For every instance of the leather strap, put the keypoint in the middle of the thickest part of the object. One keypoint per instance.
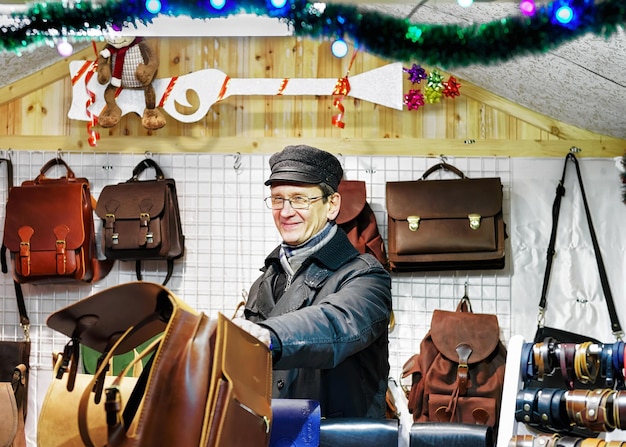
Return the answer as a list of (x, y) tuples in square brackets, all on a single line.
[(539, 361), (586, 363), (527, 364), (606, 365), (566, 354), (525, 405), (592, 442), (568, 441), (444, 166), (588, 408), (560, 192), (619, 410), (145, 164)]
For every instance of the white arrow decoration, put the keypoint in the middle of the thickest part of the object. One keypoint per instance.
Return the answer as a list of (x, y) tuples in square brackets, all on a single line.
[(381, 86)]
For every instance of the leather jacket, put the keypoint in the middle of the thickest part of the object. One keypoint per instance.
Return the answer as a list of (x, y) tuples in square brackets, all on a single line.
[(332, 327)]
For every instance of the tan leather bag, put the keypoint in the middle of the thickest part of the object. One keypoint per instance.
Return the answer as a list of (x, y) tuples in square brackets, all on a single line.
[(13, 409), (141, 219), (49, 230), (458, 375), (448, 224), (207, 379), (58, 419)]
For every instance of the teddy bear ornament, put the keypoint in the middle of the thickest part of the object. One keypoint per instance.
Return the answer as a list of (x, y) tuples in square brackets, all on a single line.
[(131, 63)]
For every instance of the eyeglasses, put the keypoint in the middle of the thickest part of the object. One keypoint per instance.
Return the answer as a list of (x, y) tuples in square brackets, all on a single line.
[(296, 202)]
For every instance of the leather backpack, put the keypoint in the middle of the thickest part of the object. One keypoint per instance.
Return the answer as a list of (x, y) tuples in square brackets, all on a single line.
[(49, 230), (358, 220), (458, 375), (141, 219)]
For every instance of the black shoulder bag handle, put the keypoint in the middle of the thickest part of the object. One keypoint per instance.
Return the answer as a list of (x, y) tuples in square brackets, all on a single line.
[(21, 305), (560, 192)]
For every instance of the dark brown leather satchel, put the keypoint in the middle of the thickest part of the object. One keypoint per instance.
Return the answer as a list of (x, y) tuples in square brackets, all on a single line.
[(358, 220), (458, 375), (206, 380), (448, 224), (49, 230), (141, 219)]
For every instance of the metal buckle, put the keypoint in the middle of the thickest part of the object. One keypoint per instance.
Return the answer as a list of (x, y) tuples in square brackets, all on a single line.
[(474, 221), (414, 222)]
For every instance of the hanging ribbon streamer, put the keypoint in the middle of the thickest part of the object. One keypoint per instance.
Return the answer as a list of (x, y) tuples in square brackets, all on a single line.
[(342, 88), (90, 70)]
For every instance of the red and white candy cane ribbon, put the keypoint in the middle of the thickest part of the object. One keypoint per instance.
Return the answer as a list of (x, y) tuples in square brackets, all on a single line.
[(342, 88)]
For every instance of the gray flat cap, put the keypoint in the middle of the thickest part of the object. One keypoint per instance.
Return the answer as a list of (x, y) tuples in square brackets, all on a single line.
[(305, 164)]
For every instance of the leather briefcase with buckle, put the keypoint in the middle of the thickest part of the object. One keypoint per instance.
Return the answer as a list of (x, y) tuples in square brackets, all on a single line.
[(447, 224)]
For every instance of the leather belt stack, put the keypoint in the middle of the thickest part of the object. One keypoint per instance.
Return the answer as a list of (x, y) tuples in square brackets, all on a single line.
[(560, 441), (601, 364), (599, 410)]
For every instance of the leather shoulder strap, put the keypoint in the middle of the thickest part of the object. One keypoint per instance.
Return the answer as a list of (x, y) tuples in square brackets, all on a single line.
[(21, 305), (556, 206)]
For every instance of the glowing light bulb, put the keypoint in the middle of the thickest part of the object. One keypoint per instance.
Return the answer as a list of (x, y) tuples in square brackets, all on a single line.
[(153, 6), (339, 48), (65, 48), (278, 3), (528, 7), (218, 4), (564, 14), (465, 3)]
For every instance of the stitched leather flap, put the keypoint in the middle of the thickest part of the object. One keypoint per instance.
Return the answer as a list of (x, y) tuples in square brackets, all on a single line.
[(98, 319), (44, 207), (353, 196), (480, 331), (441, 199), (127, 200)]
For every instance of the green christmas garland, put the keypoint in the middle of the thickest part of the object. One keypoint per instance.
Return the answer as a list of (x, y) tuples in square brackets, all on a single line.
[(393, 38)]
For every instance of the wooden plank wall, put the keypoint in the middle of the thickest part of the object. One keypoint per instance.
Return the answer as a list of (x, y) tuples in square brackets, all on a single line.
[(33, 111)]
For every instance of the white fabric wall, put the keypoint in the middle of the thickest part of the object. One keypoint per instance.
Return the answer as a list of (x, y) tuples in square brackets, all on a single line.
[(229, 231)]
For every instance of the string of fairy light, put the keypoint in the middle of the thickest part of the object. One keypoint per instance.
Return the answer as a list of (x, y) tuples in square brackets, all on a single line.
[(535, 29)]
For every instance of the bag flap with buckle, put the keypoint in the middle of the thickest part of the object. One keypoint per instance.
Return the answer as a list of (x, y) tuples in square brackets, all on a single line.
[(444, 199), (480, 332), (44, 208), (97, 320), (127, 200)]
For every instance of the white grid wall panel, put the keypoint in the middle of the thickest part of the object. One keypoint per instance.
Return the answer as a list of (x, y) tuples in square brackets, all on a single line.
[(229, 232)]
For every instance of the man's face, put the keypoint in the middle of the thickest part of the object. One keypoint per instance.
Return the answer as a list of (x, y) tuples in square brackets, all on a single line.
[(297, 226)]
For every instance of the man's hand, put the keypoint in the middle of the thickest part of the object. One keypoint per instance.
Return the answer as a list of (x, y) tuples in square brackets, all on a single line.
[(263, 334)]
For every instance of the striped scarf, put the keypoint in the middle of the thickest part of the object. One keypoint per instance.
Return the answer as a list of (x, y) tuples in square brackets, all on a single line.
[(291, 258)]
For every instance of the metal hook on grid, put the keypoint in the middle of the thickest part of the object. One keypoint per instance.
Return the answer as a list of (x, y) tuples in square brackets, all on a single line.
[(342, 160), (575, 149), (237, 162), (443, 158), (147, 154), (59, 154)]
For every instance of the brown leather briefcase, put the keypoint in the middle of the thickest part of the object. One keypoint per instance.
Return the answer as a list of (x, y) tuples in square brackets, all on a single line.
[(448, 224)]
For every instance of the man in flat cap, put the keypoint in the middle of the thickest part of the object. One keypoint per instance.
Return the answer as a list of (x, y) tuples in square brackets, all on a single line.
[(322, 307)]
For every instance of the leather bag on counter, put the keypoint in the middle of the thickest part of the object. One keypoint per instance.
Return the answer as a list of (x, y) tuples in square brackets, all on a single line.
[(458, 375), (49, 230), (447, 224), (141, 219), (13, 408), (358, 220), (207, 378)]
